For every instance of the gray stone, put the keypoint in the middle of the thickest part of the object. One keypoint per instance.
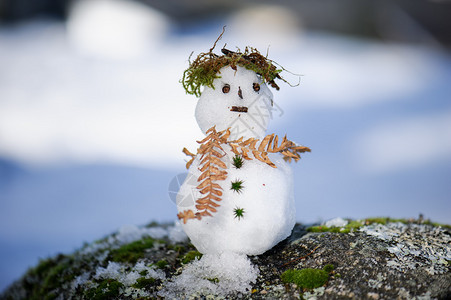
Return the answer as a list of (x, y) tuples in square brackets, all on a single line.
[(390, 261)]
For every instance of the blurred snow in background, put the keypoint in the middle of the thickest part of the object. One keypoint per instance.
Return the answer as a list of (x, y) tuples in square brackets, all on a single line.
[(93, 119)]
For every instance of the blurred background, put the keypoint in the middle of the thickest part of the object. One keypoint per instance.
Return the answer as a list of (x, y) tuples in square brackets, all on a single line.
[(93, 117)]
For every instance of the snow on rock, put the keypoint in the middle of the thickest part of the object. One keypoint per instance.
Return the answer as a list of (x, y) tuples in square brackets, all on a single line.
[(80, 280), (131, 233), (218, 274), (118, 271), (176, 233), (369, 268), (336, 222), (151, 272)]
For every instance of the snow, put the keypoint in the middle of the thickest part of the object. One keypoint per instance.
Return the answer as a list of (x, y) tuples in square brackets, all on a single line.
[(130, 233), (267, 196), (119, 272), (219, 274), (213, 107), (268, 202), (176, 233), (80, 280), (336, 222)]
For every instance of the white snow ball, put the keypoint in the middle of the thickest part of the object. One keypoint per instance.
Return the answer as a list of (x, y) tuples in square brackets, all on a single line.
[(240, 100), (267, 201)]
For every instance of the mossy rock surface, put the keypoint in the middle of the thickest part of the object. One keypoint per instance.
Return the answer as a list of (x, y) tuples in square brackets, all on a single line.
[(374, 259)]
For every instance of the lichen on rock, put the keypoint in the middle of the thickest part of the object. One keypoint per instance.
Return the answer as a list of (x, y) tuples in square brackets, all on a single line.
[(393, 260)]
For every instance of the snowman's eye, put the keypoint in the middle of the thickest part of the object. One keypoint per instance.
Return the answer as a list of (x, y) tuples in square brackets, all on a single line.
[(226, 88), (256, 87)]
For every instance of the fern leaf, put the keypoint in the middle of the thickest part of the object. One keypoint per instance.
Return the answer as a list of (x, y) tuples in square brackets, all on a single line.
[(266, 142), (253, 144), (204, 184), (186, 215), (188, 153), (213, 168), (218, 162), (204, 175)]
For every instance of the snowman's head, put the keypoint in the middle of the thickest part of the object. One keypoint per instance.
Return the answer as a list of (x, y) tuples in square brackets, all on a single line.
[(239, 99)]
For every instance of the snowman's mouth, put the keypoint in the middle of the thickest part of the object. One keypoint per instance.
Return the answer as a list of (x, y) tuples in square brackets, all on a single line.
[(239, 109)]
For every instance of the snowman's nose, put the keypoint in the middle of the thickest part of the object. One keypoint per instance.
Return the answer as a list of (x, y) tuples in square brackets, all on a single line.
[(240, 93)]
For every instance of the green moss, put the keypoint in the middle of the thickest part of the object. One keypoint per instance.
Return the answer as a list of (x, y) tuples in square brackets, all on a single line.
[(336, 229), (102, 240), (318, 229), (378, 220), (55, 277), (435, 224), (306, 278), (143, 282), (51, 296), (162, 264), (191, 255), (132, 252), (213, 280), (354, 225), (179, 248), (107, 289), (328, 268), (204, 69), (47, 277), (152, 224), (43, 267)]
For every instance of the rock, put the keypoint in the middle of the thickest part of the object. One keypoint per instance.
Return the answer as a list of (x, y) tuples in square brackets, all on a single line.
[(379, 259)]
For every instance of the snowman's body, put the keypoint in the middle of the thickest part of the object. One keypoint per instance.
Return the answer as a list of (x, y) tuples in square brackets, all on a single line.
[(267, 198)]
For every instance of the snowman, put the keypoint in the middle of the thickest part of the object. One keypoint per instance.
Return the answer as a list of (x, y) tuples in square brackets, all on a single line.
[(238, 195)]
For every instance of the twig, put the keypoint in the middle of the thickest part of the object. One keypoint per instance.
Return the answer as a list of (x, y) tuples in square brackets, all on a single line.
[(219, 37)]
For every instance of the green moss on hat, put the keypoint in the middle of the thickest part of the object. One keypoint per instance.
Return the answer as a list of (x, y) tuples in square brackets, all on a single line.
[(204, 69)]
